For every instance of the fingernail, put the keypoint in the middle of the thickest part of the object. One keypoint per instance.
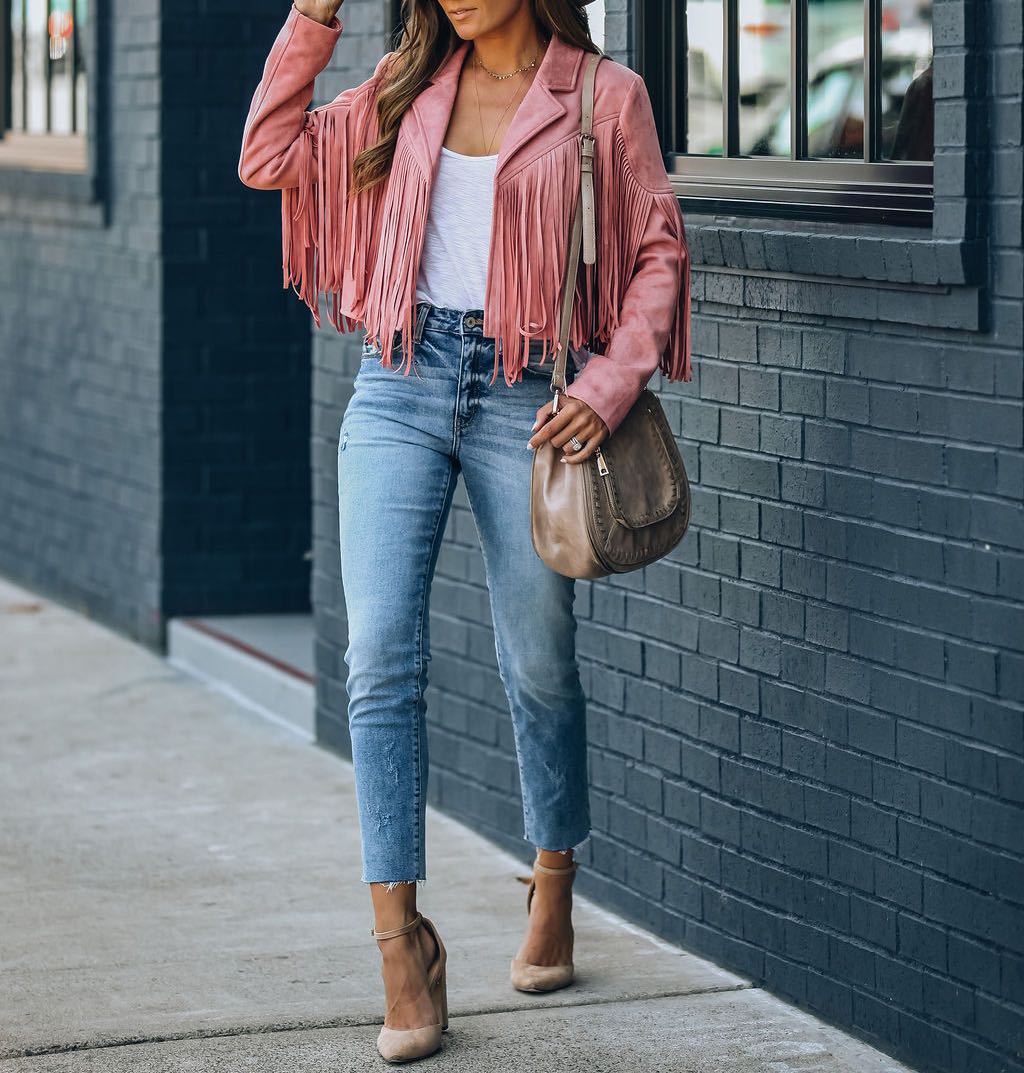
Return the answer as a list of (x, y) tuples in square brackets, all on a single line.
[(562, 460)]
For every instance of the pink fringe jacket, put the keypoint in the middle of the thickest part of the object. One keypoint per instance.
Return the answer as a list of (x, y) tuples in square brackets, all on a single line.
[(631, 310)]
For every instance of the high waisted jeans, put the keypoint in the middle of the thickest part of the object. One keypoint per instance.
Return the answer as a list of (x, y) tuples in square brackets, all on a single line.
[(403, 442)]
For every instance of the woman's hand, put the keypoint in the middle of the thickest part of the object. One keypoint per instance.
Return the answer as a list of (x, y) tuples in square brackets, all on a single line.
[(319, 10), (574, 418)]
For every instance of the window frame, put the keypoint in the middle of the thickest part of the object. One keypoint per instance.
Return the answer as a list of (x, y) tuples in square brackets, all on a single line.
[(876, 270), (6, 64), (59, 177), (856, 191)]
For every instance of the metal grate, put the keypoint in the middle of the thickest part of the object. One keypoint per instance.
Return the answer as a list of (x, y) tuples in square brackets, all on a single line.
[(44, 84), (791, 143)]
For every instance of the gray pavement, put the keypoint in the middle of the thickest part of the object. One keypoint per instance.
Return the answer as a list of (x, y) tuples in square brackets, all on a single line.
[(179, 890)]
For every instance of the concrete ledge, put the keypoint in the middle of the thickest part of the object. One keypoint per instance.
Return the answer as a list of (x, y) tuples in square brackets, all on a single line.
[(271, 688)]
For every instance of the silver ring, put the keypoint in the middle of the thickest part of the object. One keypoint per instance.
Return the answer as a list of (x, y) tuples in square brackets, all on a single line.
[(576, 445)]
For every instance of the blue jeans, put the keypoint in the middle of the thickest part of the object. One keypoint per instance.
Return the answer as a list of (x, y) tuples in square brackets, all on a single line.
[(403, 442)]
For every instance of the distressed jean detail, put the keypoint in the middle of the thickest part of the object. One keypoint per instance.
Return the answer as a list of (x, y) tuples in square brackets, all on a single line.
[(403, 444)]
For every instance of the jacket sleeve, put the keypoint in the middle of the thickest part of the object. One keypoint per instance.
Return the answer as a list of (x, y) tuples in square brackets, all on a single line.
[(653, 329), (307, 155), (274, 151), (271, 140)]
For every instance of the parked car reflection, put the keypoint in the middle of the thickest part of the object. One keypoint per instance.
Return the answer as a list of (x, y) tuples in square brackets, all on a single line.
[(835, 79), (835, 102)]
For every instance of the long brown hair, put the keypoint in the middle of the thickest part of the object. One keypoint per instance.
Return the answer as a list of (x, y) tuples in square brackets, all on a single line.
[(426, 42)]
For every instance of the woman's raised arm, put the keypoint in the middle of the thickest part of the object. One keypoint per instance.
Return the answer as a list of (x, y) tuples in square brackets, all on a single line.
[(307, 155), (273, 145)]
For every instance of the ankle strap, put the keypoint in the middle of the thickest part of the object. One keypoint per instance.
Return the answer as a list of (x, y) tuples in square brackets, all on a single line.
[(404, 929), (556, 871)]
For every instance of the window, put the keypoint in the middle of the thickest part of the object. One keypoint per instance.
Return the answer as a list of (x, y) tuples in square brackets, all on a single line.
[(44, 88), (803, 108), (595, 13)]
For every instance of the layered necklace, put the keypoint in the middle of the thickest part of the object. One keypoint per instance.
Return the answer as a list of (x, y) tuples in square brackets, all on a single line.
[(498, 77)]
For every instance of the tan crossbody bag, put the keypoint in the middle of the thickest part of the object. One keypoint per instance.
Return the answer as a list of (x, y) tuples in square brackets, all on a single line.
[(629, 503)]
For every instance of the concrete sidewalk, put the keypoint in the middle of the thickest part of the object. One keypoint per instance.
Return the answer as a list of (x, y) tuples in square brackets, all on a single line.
[(179, 890)]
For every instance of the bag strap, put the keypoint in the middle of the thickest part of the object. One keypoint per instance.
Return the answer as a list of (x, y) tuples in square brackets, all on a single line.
[(584, 226)]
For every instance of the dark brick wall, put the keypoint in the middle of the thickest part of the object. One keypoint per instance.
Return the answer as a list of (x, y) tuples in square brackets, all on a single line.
[(80, 331), (366, 26), (154, 377), (806, 725), (236, 369)]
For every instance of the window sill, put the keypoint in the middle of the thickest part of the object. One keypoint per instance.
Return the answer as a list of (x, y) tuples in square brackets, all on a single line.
[(864, 271), (48, 178), (64, 153)]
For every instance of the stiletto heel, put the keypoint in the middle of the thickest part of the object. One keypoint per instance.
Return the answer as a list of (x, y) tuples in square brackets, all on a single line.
[(405, 1044), (527, 977)]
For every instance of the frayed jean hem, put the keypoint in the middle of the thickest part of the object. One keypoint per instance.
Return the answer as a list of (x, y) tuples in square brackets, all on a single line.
[(392, 883), (574, 848)]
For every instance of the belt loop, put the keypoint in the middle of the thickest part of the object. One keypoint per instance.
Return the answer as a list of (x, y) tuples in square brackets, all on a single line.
[(422, 309)]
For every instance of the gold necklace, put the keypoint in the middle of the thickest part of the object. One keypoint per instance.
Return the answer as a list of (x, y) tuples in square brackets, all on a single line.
[(494, 74), (479, 107)]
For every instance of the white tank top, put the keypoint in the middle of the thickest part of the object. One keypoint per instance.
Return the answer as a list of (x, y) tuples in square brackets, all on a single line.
[(457, 238)]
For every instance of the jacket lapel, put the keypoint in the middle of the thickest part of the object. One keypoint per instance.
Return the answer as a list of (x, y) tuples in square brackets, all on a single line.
[(426, 121), (543, 103)]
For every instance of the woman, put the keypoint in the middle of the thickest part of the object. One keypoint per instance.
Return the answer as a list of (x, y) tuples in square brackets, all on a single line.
[(431, 205)]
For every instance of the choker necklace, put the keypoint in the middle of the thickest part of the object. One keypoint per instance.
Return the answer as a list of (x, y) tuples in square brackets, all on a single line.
[(511, 74)]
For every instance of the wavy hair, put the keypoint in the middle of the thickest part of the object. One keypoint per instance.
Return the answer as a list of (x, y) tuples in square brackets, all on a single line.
[(427, 39)]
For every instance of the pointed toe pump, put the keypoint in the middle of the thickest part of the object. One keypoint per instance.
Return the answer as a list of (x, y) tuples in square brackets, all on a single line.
[(405, 1044), (527, 977)]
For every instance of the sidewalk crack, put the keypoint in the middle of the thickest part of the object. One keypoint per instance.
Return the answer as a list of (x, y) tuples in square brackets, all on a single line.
[(241, 1031)]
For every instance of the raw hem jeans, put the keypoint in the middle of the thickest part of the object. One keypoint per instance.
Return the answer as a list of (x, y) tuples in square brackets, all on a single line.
[(403, 442)]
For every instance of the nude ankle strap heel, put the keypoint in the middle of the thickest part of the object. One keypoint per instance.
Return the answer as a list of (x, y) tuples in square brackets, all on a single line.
[(405, 1044), (527, 977)]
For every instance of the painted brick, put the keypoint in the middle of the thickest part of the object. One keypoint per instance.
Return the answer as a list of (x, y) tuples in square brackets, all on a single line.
[(806, 730)]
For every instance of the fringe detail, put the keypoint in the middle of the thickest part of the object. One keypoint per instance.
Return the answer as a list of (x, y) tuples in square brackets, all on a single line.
[(298, 226), (390, 299), (675, 360), (533, 213), (624, 212), (363, 252), (532, 216), (324, 230), (331, 242)]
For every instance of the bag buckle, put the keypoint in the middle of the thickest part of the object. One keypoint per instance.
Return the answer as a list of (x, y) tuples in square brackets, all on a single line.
[(587, 145)]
